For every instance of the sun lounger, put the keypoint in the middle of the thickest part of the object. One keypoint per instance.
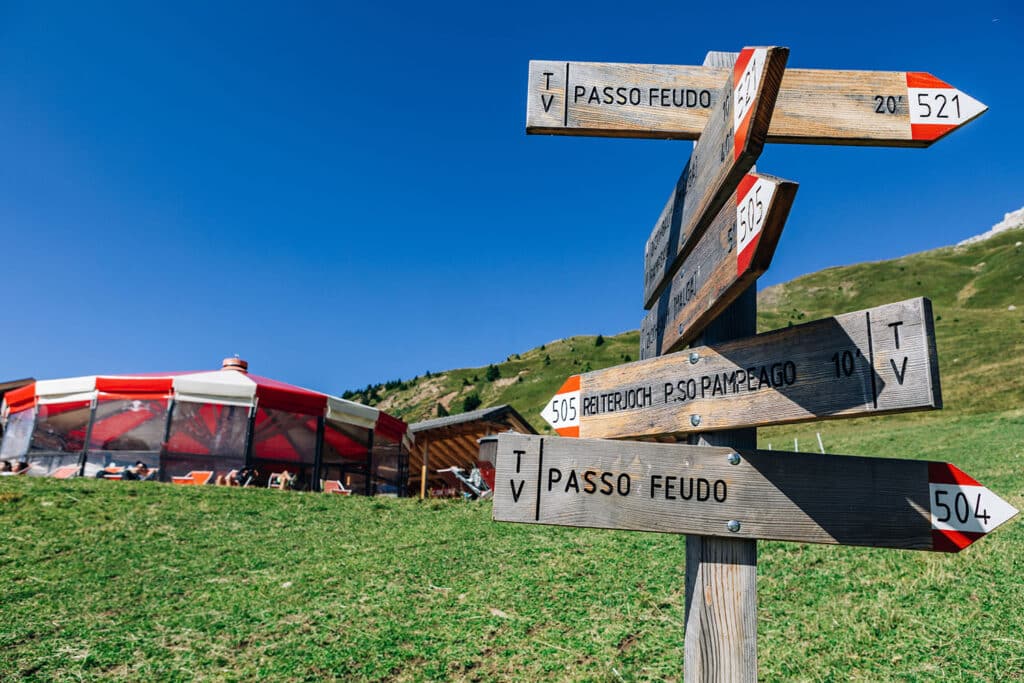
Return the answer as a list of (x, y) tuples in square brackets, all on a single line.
[(194, 478), (335, 486), (65, 472)]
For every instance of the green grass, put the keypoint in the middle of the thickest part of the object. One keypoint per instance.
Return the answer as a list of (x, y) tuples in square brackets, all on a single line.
[(144, 581)]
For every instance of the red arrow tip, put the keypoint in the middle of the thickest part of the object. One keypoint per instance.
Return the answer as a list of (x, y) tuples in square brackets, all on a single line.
[(920, 79), (949, 541)]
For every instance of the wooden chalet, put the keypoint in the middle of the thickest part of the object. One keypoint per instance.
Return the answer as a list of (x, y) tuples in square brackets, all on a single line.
[(452, 441)]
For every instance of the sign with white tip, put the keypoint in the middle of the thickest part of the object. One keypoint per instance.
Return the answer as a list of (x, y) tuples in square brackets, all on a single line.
[(729, 257), (740, 493), (726, 150), (871, 362), (816, 106)]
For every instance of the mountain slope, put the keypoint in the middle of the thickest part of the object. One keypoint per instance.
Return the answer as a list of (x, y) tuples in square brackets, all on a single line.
[(977, 292)]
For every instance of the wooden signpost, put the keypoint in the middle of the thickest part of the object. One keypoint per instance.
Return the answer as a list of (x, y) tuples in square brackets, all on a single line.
[(740, 493), (734, 250), (723, 155), (714, 237), (817, 106), (880, 360)]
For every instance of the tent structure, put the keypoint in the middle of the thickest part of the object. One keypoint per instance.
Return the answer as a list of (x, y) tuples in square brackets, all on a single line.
[(215, 421)]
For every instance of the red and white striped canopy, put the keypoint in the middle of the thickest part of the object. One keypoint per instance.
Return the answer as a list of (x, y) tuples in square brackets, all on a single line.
[(224, 387)]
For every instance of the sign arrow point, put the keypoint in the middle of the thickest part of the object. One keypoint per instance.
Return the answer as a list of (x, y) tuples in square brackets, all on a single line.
[(563, 410)]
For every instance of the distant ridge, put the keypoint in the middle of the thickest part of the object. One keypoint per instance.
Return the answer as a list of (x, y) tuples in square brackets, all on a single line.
[(977, 293), (1014, 219)]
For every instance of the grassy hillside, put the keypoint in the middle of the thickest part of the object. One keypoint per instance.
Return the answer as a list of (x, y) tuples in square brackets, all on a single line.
[(972, 288)]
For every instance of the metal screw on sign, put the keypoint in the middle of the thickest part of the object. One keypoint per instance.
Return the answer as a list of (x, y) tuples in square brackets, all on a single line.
[(732, 525), (695, 420), (734, 458), (694, 357)]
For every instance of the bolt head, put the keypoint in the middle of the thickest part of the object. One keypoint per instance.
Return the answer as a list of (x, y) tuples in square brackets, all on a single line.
[(732, 525), (734, 458), (695, 420), (694, 357)]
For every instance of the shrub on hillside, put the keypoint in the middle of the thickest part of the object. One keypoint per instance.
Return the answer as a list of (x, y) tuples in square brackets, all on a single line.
[(471, 402), (493, 373)]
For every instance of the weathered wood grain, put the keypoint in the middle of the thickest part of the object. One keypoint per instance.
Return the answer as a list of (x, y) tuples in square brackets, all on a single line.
[(721, 573), (871, 362), (678, 488), (816, 106), (714, 274), (728, 147)]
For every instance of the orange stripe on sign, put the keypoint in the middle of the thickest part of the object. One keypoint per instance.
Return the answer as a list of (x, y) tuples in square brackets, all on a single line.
[(569, 431), (929, 131), (746, 182), (948, 541), (741, 64), (746, 257), (944, 473), (920, 79), (740, 141), (571, 384)]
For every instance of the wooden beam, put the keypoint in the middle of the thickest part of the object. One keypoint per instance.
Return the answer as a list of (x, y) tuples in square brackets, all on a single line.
[(801, 497), (727, 149), (816, 106), (733, 252), (871, 362)]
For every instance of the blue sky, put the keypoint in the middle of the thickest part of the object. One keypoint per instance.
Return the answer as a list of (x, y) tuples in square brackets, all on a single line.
[(346, 194)]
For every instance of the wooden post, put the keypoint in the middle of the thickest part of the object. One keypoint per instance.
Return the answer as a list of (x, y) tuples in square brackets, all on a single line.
[(721, 573), (423, 470)]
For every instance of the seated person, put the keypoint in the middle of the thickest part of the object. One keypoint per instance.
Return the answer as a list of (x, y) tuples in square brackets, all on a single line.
[(227, 479), (248, 476), (21, 467), (140, 472)]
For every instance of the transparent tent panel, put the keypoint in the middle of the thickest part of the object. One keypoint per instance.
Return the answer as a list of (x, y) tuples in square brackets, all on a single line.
[(388, 461), (60, 427), (211, 429), (49, 464), (129, 425), (17, 435), (284, 437)]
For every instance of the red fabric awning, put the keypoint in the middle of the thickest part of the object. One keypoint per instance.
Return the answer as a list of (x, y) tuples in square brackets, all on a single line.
[(21, 398), (281, 396), (389, 427)]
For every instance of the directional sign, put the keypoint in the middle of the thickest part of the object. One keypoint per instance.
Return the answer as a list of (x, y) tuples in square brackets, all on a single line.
[(877, 108), (726, 150), (754, 494), (733, 252), (880, 360)]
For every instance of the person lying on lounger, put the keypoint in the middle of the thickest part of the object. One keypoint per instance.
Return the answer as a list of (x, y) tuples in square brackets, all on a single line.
[(140, 472)]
